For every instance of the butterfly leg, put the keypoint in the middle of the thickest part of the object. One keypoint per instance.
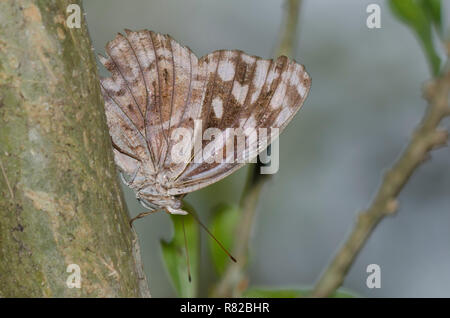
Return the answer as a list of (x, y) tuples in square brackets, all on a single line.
[(141, 215)]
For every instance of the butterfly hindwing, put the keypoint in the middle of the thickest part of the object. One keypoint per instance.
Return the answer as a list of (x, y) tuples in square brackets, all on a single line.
[(262, 94)]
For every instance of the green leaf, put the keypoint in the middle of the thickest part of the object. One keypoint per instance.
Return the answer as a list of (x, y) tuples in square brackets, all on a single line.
[(433, 9), (289, 293), (223, 226), (174, 254), (416, 17)]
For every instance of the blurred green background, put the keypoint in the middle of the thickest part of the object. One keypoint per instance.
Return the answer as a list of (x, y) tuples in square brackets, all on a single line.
[(364, 103)]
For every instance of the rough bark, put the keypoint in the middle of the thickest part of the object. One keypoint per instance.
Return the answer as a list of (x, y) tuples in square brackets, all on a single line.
[(60, 201)]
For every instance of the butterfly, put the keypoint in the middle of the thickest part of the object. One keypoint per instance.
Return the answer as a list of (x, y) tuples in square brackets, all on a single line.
[(159, 88)]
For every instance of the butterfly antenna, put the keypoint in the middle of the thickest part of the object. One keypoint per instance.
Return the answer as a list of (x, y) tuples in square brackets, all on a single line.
[(210, 234), (187, 251)]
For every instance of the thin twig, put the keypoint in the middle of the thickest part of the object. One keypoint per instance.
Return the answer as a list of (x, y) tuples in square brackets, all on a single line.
[(426, 138), (288, 35), (234, 280)]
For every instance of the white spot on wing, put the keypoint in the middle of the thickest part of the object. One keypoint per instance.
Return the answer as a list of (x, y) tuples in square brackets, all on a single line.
[(301, 90), (226, 70), (248, 59), (239, 92), (282, 116), (164, 53), (278, 96), (250, 123), (295, 81), (271, 76), (111, 85), (259, 77), (217, 107)]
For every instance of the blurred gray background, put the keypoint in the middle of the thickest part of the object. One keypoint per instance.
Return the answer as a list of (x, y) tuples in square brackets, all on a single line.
[(364, 103)]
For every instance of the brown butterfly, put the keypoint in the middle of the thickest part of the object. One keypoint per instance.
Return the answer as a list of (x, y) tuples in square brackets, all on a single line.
[(158, 87)]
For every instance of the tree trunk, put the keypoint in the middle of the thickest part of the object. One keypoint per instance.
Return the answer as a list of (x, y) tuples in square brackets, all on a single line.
[(60, 200)]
